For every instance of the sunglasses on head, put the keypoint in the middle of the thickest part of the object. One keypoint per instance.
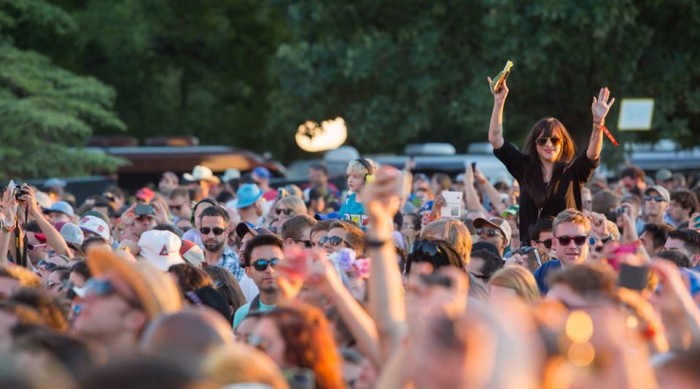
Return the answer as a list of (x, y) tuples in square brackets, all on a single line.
[(50, 266), (262, 264), (578, 240), (286, 212), (547, 243), (425, 247), (488, 232), (307, 243), (216, 230), (333, 240), (541, 141), (658, 199)]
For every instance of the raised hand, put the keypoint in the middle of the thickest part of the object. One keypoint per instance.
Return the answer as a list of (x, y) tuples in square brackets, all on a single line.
[(601, 105), (502, 92)]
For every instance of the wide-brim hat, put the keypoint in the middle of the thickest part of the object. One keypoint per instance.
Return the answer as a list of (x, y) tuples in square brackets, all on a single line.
[(154, 289), (201, 173)]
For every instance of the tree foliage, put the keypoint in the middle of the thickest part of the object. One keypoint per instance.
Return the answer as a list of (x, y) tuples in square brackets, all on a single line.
[(415, 71), (47, 112)]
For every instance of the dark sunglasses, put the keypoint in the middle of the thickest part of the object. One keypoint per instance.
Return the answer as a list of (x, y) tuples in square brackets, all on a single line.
[(307, 243), (262, 264), (425, 247), (543, 140), (658, 199), (216, 230), (578, 240), (488, 232), (333, 240), (547, 243), (50, 266), (286, 212), (31, 247)]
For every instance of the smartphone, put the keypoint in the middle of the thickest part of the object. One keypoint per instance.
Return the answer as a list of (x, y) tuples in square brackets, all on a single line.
[(473, 166), (144, 209), (633, 277), (436, 279), (453, 208)]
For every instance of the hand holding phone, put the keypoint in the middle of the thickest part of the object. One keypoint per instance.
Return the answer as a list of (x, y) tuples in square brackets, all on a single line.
[(633, 277)]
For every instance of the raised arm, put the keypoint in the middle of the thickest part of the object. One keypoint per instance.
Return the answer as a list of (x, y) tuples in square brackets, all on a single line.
[(600, 108), (53, 237), (496, 126), (470, 196)]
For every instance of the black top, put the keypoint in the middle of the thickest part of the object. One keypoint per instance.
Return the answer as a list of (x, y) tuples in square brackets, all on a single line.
[(565, 191)]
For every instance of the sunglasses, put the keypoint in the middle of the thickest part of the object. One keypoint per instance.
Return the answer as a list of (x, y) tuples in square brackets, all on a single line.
[(488, 232), (333, 241), (547, 243), (425, 247), (262, 264), (175, 207), (105, 288), (578, 240), (286, 212), (543, 140), (32, 247), (216, 230), (50, 266), (658, 199), (307, 243)]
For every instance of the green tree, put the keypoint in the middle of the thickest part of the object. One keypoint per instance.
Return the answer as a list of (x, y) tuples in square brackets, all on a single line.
[(179, 67), (416, 72), (47, 112)]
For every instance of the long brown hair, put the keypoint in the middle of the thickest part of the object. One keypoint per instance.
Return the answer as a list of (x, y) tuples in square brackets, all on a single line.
[(548, 126), (309, 343)]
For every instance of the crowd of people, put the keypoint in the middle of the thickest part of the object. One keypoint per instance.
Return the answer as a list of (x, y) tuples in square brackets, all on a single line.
[(558, 279)]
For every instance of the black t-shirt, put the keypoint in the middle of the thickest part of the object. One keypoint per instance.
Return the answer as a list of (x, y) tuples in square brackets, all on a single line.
[(567, 193)]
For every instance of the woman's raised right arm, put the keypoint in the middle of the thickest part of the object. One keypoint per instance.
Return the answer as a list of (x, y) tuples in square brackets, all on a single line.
[(496, 126)]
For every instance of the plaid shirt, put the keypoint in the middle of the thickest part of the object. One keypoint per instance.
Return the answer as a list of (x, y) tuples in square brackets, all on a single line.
[(230, 260)]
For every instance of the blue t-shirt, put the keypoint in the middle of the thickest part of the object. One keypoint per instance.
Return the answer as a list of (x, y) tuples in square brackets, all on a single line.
[(242, 312), (543, 271), (354, 211)]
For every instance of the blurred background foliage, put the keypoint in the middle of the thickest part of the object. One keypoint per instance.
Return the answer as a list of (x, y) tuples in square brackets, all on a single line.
[(246, 73)]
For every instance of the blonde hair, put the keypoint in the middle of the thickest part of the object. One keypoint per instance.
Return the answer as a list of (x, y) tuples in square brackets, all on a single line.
[(357, 167), (294, 203), (571, 216), (519, 279), (454, 232), (237, 363)]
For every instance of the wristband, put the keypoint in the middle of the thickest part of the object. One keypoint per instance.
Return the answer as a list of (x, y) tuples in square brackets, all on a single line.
[(376, 243)]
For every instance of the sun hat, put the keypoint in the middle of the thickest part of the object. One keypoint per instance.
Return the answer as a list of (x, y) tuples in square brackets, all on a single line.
[(95, 225), (247, 195), (201, 173), (160, 248), (155, 290)]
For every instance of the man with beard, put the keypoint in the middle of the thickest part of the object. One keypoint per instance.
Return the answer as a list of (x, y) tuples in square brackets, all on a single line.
[(570, 243), (262, 255), (214, 228)]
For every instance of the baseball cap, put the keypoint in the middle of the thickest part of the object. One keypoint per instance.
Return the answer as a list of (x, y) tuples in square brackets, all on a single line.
[(192, 253), (663, 175), (663, 192), (247, 195), (495, 222), (62, 207), (160, 248), (427, 207), (71, 233), (245, 228), (230, 174), (262, 172), (55, 183), (146, 194), (95, 225)]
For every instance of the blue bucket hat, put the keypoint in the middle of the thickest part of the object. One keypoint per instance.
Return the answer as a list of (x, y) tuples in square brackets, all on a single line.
[(427, 207), (248, 194)]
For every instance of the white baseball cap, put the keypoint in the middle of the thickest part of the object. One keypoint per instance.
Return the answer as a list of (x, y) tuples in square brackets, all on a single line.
[(160, 248), (95, 225)]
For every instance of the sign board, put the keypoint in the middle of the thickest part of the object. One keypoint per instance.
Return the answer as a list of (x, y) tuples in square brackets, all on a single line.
[(636, 115)]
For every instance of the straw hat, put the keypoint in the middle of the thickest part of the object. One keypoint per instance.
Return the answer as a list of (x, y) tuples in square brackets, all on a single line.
[(155, 290), (201, 173)]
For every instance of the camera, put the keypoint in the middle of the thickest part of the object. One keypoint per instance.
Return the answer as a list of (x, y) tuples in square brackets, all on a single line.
[(621, 211), (20, 191)]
